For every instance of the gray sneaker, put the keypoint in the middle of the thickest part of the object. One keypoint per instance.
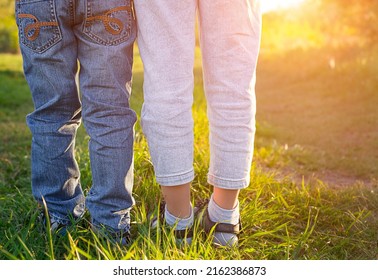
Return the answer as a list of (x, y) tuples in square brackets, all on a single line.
[(55, 225), (121, 237)]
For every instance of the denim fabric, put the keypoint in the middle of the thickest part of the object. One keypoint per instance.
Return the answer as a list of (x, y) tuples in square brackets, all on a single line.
[(230, 40), (58, 39)]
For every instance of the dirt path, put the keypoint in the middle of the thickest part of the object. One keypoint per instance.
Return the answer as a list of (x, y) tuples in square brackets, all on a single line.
[(329, 178)]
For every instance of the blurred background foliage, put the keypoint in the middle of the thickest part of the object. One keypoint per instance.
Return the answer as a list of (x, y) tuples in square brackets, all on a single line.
[(8, 28), (315, 23), (321, 23)]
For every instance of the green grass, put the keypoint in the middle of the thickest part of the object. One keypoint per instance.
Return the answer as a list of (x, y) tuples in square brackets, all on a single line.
[(282, 218)]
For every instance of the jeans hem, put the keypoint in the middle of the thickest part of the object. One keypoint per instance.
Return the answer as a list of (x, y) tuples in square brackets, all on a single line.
[(230, 184), (97, 226), (175, 180), (58, 219)]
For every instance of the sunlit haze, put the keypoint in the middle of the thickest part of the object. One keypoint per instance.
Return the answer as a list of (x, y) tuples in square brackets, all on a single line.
[(268, 5)]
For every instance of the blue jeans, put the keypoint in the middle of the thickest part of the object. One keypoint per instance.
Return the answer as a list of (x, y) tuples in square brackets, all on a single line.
[(94, 38)]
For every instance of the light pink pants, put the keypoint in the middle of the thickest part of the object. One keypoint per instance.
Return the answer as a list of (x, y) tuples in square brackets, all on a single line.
[(230, 40)]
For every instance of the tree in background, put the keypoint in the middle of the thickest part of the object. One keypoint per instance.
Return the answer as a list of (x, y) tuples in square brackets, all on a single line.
[(322, 23), (355, 19), (8, 28)]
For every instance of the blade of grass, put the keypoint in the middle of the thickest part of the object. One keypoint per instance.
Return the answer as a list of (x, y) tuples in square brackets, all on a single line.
[(48, 230)]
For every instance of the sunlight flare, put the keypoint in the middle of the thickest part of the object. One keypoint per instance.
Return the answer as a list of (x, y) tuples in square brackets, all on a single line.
[(269, 5)]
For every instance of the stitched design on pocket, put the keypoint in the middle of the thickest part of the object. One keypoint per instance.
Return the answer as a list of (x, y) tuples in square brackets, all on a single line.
[(36, 26), (109, 23), (113, 25), (39, 29)]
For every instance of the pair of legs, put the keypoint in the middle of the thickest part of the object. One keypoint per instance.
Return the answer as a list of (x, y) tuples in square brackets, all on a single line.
[(178, 200), (229, 40), (54, 36)]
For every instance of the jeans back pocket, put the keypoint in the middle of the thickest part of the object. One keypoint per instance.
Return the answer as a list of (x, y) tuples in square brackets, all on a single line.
[(109, 22), (37, 24)]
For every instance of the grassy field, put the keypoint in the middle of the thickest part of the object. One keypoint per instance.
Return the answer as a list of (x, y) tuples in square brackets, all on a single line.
[(322, 122), (324, 102)]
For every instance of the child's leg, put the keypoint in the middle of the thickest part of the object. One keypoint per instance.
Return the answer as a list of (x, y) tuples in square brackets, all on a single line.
[(223, 208), (105, 53), (50, 64), (177, 199), (227, 199), (166, 38), (230, 39), (178, 209)]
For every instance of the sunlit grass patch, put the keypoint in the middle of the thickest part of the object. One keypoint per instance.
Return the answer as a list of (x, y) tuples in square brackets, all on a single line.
[(282, 218)]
